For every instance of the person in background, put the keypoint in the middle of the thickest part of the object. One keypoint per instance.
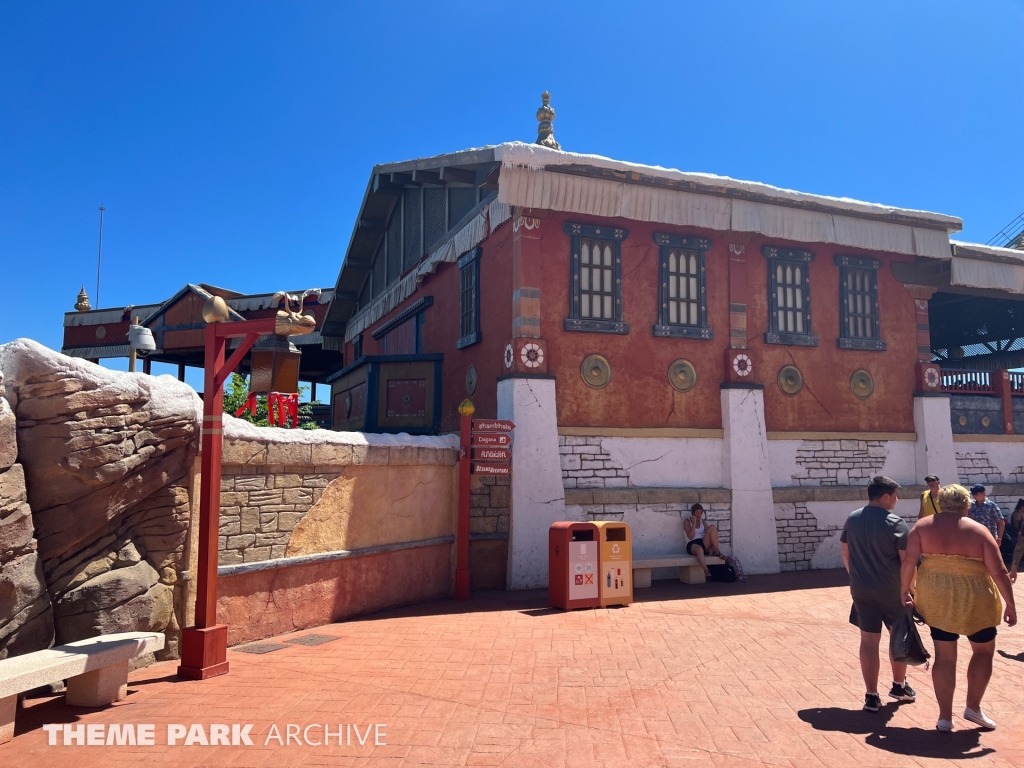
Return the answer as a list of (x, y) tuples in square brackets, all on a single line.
[(958, 586), (1017, 520), (1011, 535), (703, 538), (874, 539), (929, 505), (986, 512)]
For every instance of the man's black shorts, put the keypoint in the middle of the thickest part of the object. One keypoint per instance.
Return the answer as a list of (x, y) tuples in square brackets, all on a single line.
[(870, 613)]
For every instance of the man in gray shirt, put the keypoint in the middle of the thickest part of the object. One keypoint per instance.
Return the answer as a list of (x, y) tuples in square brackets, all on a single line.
[(874, 540)]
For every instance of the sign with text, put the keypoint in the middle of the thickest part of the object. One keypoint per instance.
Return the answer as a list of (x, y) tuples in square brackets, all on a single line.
[(492, 469), (492, 454), (492, 425), (493, 440)]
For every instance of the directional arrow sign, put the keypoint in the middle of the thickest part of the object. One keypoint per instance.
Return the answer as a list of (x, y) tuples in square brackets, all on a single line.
[(485, 425), (496, 440), (492, 469), (492, 454)]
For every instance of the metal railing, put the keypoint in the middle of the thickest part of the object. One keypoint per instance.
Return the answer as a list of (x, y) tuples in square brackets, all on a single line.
[(969, 382)]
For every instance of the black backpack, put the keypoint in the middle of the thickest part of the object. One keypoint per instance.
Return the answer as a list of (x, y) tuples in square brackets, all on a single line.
[(723, 573)]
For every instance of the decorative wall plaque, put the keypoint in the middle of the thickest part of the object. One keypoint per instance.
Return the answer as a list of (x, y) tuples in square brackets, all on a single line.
[(862, 384), (682, 375), (791, 381), (596, 371), (471, 380)]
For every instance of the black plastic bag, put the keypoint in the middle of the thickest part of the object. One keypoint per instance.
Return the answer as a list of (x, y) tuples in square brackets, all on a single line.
[(905, 642), (724, 573)]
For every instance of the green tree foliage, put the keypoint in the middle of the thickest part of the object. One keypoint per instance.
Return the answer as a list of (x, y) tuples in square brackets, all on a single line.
[(236, 392)]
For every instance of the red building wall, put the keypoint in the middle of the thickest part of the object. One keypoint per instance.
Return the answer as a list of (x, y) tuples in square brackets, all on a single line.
[(639, 394), (440, 330)]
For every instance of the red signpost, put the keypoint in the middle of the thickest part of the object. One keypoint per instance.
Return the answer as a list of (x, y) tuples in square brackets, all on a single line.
[(480, 440), (204, 647)]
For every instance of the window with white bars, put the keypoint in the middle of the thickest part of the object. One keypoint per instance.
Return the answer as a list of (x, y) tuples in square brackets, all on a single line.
[(682, 300), (597, 279), (790, 309), (858, 303), (789, 295), (684, 295), (595, 296)]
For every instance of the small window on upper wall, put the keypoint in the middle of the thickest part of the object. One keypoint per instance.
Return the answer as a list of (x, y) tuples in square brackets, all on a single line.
[(595, 301), (682, 303), (858, 303), (789, 297), (469, 299)]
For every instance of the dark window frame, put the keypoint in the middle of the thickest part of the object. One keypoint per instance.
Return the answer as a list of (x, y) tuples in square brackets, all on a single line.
[(413, 313), (847, 264), (775, 255), (664, 327), (469, 269), (575, 322)]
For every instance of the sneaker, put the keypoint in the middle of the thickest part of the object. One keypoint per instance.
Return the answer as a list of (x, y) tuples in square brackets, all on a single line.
[(872, 702), (903, 692), (945, 726), (979, 718)]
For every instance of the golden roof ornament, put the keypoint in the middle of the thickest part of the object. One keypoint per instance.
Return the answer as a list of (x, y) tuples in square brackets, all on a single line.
[(545, 131), (83, 305)]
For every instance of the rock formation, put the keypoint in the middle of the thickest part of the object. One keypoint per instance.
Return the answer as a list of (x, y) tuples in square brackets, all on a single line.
[(107, 459), (26, 619)]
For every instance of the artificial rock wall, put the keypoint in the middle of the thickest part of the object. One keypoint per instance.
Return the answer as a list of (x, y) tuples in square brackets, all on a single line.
[(107, 460)]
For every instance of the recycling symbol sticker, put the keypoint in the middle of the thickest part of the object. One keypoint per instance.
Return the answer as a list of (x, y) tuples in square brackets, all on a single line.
[(615, 549)]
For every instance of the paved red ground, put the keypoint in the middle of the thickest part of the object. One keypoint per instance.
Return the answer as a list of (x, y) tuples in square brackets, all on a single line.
[(747, 675)]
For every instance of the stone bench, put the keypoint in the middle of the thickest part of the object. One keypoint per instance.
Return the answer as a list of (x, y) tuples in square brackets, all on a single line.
[(96, 670), (690, 571)]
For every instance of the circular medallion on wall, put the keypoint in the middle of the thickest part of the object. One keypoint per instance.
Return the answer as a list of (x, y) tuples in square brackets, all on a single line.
[(510, 355), (682, 375), (348, 404), (862, 384), (596, 371), (931, 378), (101, 332), (962, 420), (986, 422), (471, 380), (742, 365), (532, 355), (791, 381)]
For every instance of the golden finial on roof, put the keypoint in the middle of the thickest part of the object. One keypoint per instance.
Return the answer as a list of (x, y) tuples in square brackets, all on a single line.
[(545, 131), (83, 305)]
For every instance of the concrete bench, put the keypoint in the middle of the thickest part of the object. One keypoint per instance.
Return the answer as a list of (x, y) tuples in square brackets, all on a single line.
[(96, 670), (690, 571)]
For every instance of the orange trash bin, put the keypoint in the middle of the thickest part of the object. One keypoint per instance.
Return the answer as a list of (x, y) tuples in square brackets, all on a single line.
[(616, 582), (573, 562)]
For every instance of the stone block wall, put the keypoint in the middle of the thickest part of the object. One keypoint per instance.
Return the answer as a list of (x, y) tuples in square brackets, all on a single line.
[(490, 505), (286, 494), (586, 464), (839, 462), (799, 535)]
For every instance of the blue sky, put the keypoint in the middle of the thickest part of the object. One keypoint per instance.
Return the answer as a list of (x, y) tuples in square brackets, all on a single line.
[(231, 143)]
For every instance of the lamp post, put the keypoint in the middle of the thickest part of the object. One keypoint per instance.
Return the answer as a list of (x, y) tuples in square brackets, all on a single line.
[(204, 646)]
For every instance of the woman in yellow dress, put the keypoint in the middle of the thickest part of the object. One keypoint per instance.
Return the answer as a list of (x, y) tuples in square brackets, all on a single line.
[(959, 582)]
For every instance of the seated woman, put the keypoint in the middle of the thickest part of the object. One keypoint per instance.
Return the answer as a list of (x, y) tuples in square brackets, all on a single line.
[(959, 583), (703, 537)]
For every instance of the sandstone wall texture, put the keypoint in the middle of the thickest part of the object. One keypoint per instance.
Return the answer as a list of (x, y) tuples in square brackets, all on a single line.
[(291, 493), (107, 459), (26, 616)]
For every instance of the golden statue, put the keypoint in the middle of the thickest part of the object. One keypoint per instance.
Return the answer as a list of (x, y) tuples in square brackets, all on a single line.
[(289, 323), (545, 131)]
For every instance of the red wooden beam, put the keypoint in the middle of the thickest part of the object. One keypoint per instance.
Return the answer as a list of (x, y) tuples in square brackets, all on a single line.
[(462, 530)]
